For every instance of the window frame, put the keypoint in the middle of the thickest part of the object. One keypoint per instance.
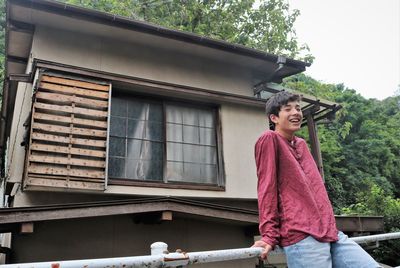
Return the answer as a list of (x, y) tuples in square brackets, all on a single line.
[(164, 100)]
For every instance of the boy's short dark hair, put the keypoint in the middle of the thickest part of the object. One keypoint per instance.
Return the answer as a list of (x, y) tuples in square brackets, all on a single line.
[(275, 103)]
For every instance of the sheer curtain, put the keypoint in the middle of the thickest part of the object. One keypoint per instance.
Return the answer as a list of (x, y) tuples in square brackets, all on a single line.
[(137, 141), (191, 144)]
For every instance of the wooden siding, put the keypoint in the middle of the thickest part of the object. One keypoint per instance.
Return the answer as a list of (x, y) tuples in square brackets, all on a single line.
[(68, 138)]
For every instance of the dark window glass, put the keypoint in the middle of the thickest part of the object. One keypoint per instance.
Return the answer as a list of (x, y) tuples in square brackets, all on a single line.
[(137, 141)]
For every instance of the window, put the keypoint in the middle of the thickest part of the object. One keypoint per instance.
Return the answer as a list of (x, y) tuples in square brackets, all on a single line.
[(162, 141)]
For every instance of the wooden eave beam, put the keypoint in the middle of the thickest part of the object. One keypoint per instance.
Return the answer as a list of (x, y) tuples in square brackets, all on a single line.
[(14, 217), (156, 87)]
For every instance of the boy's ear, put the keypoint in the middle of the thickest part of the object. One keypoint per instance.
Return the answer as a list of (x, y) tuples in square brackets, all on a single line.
[(273, 118)]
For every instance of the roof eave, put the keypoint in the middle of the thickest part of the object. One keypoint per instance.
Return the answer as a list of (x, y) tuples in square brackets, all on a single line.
[(145, 27)]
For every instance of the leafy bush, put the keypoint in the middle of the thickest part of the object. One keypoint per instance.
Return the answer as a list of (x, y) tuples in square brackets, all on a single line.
[(373, 202)]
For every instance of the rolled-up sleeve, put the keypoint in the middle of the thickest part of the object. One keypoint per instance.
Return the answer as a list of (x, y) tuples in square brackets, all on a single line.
[(266, 162)]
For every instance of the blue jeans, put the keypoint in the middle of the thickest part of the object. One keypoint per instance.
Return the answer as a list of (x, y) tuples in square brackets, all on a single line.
[(344, 253)]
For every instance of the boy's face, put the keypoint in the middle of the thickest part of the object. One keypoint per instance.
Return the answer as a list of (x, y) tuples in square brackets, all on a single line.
[(289, 119)]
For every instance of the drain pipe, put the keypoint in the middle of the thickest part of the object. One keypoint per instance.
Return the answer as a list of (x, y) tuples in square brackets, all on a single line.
[(281, 63)]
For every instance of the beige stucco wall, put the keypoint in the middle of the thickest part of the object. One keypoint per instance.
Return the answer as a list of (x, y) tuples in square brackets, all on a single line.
[(241, 125), (172, 65), (120, 236), (16, 152)]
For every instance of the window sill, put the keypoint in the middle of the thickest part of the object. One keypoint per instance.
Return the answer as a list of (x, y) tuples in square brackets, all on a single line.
[(171, 185)]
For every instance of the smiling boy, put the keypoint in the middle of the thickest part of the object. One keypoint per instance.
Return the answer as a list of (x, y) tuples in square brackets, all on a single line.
[(294, 208)]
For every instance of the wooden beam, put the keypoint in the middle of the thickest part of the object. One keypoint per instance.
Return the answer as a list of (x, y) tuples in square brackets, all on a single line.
[(67, 140), (315, 146), (52, 170), (74, 90), (74, 83), (156, 87), (66, 130), (68, 99), (166, 216), (124, 209), (26, 228), (69, 109)]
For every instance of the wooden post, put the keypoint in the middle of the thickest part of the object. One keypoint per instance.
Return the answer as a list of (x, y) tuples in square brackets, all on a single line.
[(26, 228), (315, 146), (166, 216)]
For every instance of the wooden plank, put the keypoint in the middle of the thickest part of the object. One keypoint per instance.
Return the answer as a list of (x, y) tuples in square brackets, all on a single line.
[(166, 216), (66, 119), (75, 91), (67, 140), (72, 110), (67, 150), (83, 185), (49, 148), (67, 161), (74, 83), (48, 169), (43, 176), (61, 98), (68, 130), (26, 228)]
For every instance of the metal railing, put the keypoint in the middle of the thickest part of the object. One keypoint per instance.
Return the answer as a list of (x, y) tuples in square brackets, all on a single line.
[(160, 257), (375, 238)]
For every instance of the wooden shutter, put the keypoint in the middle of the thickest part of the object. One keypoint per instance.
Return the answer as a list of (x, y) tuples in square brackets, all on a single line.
[(68, 138)]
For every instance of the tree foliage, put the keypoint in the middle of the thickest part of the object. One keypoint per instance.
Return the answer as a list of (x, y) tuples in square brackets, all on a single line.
[(359, 147), (375, 201)]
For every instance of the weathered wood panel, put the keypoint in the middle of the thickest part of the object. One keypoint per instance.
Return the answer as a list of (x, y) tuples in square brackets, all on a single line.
[(68, 99), (67, 150), (68, 138), (74, 91), (52, 170), (70, 130), (66, 161), (69, 109), (74, 120), (70, 184), (75, 83)]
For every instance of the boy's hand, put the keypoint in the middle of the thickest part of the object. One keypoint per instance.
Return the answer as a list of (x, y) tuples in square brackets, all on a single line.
[(267, 248)]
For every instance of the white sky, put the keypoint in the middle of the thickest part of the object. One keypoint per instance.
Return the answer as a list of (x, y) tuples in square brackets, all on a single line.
[(355, 42)]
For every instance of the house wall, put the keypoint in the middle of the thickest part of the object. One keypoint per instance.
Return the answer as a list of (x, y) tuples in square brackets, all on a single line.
[(120, 236), (241, 125), (16, 152), (138, 59)]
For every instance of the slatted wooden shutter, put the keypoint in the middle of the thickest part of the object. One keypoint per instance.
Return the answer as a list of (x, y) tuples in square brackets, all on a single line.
[(68, 139)]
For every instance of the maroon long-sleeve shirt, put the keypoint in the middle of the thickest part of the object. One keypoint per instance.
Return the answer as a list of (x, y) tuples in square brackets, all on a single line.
[(292, 199)]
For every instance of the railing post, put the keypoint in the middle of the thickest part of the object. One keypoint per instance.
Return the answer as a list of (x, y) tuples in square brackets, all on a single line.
[(158, 248)]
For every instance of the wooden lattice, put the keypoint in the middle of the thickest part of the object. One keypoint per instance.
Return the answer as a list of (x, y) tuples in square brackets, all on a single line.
[(68, 138)]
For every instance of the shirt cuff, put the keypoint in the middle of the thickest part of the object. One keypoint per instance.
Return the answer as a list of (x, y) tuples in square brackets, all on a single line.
[(269, 241)]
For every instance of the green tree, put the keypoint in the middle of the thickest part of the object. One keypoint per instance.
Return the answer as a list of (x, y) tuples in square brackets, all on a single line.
[(359, 147), (375, 201)]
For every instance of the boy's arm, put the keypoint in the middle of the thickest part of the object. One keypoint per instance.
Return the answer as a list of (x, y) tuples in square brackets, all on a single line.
[(266, 161)]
